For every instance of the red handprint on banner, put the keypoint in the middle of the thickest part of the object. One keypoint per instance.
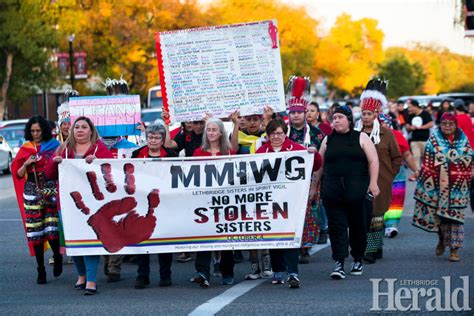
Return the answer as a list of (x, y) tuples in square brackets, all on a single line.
[(129, 230)]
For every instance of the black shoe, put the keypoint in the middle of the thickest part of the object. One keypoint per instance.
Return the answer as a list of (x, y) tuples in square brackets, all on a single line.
[(58, 265), (238, 257), (370, 257), (41, 275), (338, 273), (356, 268), (165, 282), (379, 254), (80, 287), (141, 282), (323, 237), (293, 281), (113, 277), (89, 292), (201, 280)]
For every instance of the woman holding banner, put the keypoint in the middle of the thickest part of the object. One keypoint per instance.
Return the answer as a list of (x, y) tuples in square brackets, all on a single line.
[(84, 144), (215, 142), (285, 259), (156, 136), (37, 195)]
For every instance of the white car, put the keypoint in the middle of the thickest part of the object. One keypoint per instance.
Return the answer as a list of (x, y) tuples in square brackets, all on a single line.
[(153, 115), (6, 156), (14, 133)]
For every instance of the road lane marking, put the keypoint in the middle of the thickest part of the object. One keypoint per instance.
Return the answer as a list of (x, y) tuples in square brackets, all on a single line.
[(6, 194), (217, 303), (214, 305)]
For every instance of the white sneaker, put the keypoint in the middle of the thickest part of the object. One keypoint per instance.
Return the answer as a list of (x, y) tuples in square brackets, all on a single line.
[(391, 232)]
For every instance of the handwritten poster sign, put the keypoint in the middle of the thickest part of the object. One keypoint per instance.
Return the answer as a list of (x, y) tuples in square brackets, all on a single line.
[(115, 115), (220, 69)]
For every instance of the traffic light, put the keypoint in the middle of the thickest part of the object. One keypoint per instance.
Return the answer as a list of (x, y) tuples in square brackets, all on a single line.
[(469, 17)]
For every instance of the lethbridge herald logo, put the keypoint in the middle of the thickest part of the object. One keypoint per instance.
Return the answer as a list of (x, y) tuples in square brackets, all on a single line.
[(420, 295)]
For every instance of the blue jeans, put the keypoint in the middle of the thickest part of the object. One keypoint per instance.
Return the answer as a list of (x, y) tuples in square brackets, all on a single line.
[(87, 265), (285, 260)]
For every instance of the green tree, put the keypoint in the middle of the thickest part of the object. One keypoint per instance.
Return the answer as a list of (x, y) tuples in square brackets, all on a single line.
[(118, 36), (27, 37), (405, 78)]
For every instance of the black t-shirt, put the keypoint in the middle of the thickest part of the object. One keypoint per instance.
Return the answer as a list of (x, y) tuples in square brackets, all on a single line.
[(189, 142), (420, 135)]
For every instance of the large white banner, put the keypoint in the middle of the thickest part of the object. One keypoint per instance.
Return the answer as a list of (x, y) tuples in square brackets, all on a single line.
[(220, 69), (134, 206)]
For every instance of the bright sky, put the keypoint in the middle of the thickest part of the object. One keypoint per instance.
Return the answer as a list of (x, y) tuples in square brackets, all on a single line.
[(402, 21)]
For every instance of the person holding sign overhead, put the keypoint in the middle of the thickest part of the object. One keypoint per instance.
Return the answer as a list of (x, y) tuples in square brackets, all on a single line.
[(187, 141)]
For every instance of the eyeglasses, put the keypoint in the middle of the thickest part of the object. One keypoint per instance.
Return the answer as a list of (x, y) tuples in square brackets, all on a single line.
[(447, 124), (277, 134), (154, 138)]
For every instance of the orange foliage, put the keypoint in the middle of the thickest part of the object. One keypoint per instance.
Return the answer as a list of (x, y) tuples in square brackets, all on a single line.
[(349, 54), (445, 71)]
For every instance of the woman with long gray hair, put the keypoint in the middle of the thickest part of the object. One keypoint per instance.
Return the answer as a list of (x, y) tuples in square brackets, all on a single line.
[(215, 142)]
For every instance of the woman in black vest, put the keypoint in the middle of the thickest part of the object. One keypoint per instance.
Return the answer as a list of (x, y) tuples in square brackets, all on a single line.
[(349, 184)]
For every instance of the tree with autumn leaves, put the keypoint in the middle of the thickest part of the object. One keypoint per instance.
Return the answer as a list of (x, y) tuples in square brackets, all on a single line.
[(118, 37)]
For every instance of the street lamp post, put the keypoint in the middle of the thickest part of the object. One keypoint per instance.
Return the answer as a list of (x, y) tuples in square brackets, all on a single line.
[(70, 38)]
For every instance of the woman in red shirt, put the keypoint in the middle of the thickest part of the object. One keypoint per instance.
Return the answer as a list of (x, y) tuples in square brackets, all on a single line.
[(84, 144), (215, 142), (285, 259)]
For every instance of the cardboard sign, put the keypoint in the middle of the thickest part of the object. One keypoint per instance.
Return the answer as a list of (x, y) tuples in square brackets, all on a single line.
[(220, 69)]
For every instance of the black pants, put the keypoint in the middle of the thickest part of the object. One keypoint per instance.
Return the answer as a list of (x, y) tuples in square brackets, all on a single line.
[(203, 263), (354, 216), (164, 259), (285, 260), (39, 251), (347, 208)]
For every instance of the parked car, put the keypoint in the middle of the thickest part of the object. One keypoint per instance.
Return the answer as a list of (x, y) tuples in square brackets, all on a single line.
[(14, 133), (424, 100), (6, 156), (155, 98), (467, 97), (150, 116)]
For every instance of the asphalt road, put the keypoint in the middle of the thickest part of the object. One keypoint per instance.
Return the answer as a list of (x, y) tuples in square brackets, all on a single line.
[(409, 258)]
